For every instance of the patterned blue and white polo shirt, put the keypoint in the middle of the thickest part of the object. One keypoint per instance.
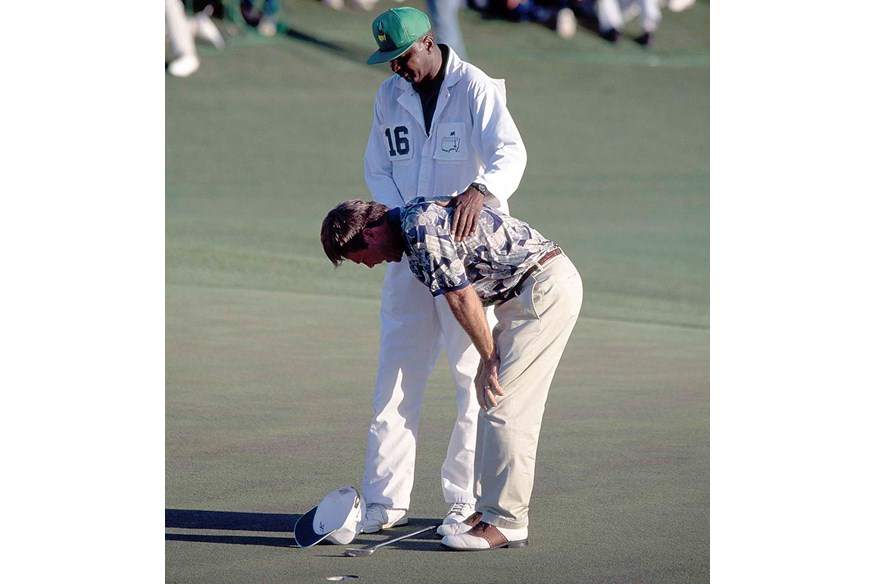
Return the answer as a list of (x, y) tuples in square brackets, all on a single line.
[(492, 260)]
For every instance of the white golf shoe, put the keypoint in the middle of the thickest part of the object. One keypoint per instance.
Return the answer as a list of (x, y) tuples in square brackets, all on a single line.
[(379, 517), (485, 536), (456, 520)]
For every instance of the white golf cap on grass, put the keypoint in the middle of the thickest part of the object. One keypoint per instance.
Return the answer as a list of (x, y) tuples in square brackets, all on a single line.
[(338, 518)]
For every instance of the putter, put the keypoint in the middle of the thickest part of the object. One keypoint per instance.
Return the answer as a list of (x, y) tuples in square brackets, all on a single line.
[(360, 552)]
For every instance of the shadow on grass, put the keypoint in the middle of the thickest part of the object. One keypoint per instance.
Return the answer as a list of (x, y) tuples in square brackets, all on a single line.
[(355, 54), (191, 519), (230, 521)]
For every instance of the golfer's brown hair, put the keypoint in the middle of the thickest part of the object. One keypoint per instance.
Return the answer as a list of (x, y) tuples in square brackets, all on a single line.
[(342, 228)]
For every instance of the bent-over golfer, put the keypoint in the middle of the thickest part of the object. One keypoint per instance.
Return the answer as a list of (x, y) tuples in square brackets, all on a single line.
[(537, 292)]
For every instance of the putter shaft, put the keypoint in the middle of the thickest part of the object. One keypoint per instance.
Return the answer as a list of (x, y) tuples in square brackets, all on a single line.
[(359, 552)]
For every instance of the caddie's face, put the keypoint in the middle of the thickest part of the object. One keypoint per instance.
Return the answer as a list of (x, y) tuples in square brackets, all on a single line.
[(417, 64)]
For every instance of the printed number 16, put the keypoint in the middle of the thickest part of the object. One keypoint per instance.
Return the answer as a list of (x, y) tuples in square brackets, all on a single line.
[(402, 145)]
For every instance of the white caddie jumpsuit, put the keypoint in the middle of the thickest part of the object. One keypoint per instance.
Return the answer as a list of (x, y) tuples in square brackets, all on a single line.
[(472, 139)]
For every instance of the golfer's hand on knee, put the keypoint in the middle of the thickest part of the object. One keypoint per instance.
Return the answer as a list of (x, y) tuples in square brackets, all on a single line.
[(487, 383)]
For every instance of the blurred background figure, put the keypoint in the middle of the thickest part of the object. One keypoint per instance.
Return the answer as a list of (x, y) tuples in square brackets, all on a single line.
[(213, 8), (445, 23), (555, 14), (182, 40), (203, 26), (264, 18), (360, 4), (613, 14), (567, 22), (677, 5)]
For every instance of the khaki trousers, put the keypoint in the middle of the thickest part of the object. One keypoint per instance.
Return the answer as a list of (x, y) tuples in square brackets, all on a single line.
[(530, 336)]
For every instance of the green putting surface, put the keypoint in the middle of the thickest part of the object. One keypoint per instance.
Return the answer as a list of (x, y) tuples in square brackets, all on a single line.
[(271, 353)]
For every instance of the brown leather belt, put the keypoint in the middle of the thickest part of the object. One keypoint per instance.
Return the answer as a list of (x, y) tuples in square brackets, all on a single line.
[(548, 256), (515, 291)]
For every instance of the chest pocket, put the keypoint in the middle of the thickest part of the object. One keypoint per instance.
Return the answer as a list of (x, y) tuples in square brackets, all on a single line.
[(397, 141), (451, 142)]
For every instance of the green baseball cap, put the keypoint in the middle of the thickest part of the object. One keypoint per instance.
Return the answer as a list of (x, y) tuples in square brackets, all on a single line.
[(396, 31)]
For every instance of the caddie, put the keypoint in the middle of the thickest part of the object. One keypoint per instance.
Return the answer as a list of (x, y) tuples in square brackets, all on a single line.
[(537, 294), (441, 128)]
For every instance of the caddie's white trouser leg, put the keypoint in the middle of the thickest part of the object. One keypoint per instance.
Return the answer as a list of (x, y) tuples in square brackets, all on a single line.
[(182, 42), (411, 340), (531, 335), (457, 472)]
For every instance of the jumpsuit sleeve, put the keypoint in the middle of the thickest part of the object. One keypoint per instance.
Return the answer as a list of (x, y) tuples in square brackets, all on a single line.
[(501, 145), (378, 167)]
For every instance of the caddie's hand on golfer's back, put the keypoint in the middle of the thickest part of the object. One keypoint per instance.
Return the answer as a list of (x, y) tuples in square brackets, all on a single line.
[(468, 210)]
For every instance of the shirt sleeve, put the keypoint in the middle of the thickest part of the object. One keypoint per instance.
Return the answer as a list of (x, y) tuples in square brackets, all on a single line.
[(434, 259)]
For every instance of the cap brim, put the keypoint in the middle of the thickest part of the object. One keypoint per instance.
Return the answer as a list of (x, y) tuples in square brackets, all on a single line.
[(331, 515), (305, 535), (380, 57)]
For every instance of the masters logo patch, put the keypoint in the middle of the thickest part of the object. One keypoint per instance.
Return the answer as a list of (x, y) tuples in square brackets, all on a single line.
[(450, 143)]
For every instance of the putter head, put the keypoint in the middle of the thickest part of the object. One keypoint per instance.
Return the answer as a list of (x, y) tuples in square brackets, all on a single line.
[(358, 552)]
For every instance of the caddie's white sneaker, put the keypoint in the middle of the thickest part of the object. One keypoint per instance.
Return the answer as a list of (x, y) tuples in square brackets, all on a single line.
[(459, 512), (456, 519), (184, 66), (378, 517), (485, 536)]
